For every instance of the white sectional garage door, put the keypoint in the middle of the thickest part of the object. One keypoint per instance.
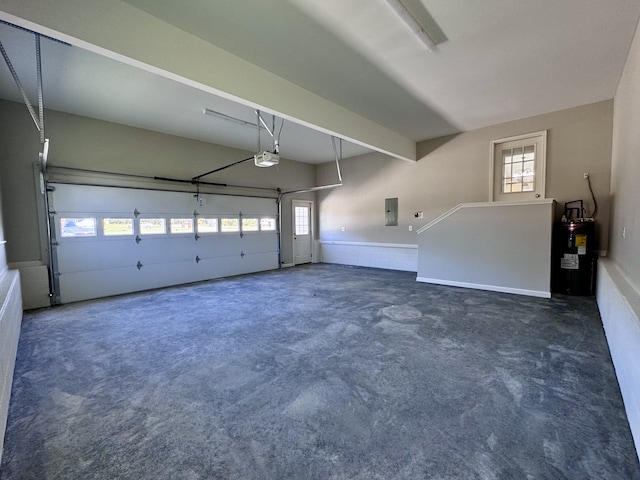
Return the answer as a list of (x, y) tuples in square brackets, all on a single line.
[(109, 240)]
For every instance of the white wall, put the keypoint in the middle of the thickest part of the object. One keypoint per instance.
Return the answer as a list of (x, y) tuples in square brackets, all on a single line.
[(456, 169), (619, 278), (495, 246)]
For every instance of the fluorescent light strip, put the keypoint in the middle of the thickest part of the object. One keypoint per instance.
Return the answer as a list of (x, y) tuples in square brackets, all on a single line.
[(413, 24), (229, 118)]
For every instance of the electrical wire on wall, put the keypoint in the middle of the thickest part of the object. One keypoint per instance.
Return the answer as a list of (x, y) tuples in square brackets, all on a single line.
[(595, 202)]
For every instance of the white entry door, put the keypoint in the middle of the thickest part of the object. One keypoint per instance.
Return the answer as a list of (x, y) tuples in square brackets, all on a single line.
[(302, 232)]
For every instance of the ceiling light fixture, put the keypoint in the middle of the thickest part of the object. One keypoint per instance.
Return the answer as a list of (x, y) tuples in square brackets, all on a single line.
[(413, 24), (228, 118)]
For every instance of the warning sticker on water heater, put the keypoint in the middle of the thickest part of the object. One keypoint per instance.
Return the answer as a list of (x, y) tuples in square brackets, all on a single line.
[(581, 243), (570, 261)]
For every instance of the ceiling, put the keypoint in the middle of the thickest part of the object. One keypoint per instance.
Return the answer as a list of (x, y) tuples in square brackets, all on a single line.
[(496, 61)]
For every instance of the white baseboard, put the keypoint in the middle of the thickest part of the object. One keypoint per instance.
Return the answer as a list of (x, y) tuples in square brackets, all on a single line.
[(490, 288), (619, 304)]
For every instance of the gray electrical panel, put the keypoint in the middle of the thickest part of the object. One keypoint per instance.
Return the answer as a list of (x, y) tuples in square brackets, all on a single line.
[(391, 212)]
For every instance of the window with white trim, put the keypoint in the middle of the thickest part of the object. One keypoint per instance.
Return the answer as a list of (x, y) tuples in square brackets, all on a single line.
[(518, 167)]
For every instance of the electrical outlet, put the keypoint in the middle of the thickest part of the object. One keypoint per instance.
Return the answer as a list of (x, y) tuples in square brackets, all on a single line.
[(343, 228), (411, 228), (586, 174)]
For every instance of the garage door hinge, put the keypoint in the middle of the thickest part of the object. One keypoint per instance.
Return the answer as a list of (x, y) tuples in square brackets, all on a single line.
[(52, 213), (51, 188), (196, 237), (136, 213), (195, 213), (197, 259), (241, 254), (139, 265), (54, 243), (138, 239), (241, 234)]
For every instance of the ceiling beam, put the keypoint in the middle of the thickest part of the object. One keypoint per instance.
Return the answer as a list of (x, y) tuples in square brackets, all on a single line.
[(119, 31)]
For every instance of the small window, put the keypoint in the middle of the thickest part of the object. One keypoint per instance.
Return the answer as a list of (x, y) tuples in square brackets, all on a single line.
[(117, 226), (207, 225), (268, 224), (302, 220), (229, 225), (78, 227), (250, 225), (153, 226), (181, 225), (518, 167)]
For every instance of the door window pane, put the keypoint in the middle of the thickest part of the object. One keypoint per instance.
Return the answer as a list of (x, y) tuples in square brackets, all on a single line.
[(78, 227), (117, 226), (181, 225), (302, 220), (153, 226), (518, 169)]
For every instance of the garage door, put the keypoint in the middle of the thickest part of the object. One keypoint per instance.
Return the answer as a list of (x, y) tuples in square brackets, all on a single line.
[(109, 241)]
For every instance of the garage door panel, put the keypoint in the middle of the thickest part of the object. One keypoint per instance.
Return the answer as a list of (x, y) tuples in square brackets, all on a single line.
[(259, 242), (81, 256), (166, 250)]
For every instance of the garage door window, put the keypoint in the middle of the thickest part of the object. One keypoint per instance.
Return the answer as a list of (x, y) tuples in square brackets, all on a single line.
[(268, 224), (117, 226), (229, 225), (250, 225), (207, 225), (78, 227), (153, 226), (181, 225)]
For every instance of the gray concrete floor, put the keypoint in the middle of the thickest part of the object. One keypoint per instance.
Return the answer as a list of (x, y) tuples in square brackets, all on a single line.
[(317, 372)]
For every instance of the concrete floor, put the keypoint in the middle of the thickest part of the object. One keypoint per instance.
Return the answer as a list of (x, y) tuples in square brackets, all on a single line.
[(317, 372)]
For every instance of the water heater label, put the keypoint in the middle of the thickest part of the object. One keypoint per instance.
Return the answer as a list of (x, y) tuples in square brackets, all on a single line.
[(581, 240), (570, 261)]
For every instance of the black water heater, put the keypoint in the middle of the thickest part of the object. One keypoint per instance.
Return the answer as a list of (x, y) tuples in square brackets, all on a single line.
[(574, 257)]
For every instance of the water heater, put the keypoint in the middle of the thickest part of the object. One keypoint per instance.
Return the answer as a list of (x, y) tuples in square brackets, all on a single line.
[(574, 257)]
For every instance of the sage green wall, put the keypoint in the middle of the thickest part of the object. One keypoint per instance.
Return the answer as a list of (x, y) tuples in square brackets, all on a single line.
[(456, 169), (81, 142)]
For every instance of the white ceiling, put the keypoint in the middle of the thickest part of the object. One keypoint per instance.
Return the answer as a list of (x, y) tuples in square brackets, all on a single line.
[(496, 61)]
